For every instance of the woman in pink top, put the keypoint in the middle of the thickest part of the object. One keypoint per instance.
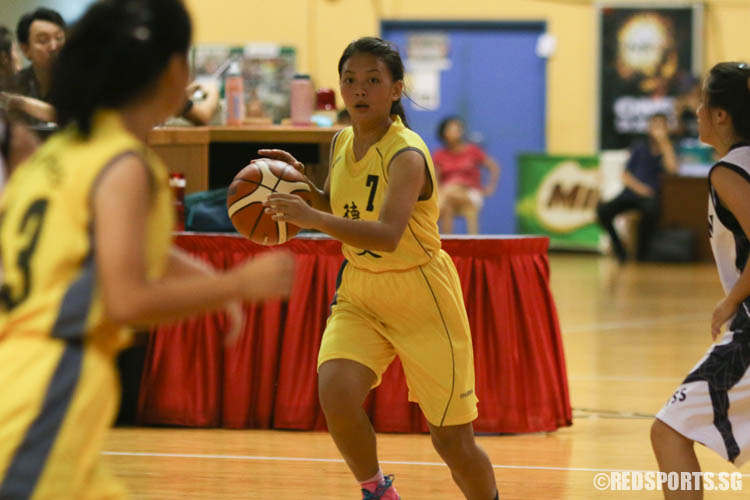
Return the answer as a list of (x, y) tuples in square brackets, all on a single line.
[(457, 165)]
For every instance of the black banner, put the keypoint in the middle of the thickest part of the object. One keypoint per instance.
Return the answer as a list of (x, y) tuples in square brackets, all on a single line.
[(646, 57)]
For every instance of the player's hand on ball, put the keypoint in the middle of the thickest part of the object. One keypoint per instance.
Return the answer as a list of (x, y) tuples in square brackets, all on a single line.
[(722, 313), (280, 154), (236, 322), (291, 208), (268, 276)]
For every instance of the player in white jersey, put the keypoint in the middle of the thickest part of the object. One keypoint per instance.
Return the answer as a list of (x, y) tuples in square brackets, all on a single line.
[(712, 405)]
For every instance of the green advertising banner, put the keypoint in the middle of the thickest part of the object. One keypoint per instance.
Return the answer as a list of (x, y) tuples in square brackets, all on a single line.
[(557, 197)]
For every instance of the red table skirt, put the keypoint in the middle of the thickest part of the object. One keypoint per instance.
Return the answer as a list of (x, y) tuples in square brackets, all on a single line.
[(268, 379)]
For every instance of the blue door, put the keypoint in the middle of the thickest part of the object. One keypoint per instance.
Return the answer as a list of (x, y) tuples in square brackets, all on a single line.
[(495, 81)]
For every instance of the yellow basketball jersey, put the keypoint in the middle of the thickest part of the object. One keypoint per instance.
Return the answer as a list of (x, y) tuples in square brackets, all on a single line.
[(358, 189), (50, 283)]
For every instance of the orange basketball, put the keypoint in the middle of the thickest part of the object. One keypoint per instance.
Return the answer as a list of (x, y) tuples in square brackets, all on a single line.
[(250, 188)]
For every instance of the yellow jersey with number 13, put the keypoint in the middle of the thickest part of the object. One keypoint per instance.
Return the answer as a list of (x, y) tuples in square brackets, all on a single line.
[(50, 285), (358, 190)]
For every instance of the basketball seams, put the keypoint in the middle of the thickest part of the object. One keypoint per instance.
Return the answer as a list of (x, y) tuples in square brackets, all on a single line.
[(244, 202), (264, 171), (281, 225), (257, 183), (273, 177)]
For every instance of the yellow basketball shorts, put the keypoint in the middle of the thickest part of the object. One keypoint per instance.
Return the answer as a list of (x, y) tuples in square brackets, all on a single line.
[(417, 315), (58, 400)]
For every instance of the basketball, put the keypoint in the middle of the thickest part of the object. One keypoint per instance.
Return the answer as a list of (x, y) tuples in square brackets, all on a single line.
[(250, 188)]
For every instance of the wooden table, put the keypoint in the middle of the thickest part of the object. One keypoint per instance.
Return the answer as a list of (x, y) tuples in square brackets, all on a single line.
[(209, 157)]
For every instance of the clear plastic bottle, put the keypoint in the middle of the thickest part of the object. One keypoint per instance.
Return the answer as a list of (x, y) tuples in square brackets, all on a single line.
[(235, 95), (302, 99)]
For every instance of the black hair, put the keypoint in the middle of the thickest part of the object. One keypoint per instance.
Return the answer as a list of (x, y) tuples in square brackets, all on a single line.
[(663, 116), (386, 52), (6, 58), (6, 41), (114, 53), (41, 14), (728, 88), (444, 125)]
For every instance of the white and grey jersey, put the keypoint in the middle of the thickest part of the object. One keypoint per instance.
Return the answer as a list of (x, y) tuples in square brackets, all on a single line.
[(728, 241)]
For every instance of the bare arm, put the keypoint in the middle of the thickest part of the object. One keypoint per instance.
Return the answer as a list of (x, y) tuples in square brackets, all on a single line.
[(407, 180), (634, 184), (181, 264), (734, 193), (33, 107), (121, 202), (660, 135), (494, 169), (203, 110), (669, 158)]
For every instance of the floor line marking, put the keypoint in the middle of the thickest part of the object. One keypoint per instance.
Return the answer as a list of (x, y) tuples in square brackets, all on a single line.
[(616, 378), (617, 325), (339, 460)]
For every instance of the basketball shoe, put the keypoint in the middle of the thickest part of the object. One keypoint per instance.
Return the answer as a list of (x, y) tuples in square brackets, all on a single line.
[(382, 491)]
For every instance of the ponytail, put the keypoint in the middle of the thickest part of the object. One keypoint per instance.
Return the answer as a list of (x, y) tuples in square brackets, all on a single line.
[(397, 108)]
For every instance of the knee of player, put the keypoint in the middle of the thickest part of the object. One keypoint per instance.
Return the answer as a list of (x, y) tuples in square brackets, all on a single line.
[(663, 435), (335, 395), (452, 444)]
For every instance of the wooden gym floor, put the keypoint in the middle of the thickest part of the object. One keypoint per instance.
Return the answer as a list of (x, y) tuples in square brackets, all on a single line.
[(631, 333)]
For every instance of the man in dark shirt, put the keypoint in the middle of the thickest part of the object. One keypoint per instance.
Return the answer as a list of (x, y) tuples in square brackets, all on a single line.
[(643, 180), (41, 35)]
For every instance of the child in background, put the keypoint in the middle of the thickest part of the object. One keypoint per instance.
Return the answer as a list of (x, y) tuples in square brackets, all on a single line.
[(458, 165)]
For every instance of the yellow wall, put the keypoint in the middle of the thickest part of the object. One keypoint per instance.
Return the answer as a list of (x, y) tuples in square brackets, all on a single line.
[(320, 29)]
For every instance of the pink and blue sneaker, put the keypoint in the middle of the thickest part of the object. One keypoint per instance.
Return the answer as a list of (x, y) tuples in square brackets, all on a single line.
[(382, 491)]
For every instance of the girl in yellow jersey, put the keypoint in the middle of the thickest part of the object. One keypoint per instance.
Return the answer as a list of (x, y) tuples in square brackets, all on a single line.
[(85, 238), (398, 292)]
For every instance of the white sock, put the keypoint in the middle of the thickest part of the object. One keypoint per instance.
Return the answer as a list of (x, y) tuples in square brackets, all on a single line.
[(377, 479)]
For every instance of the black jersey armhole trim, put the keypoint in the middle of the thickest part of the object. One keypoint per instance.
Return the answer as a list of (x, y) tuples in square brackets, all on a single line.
[(426, 167), (731, 166), (725, 216), (740, 144)]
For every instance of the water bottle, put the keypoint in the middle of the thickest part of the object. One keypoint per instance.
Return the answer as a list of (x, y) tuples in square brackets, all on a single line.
[(235, 94), (325, 108), (302, 99), (178, 184)]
